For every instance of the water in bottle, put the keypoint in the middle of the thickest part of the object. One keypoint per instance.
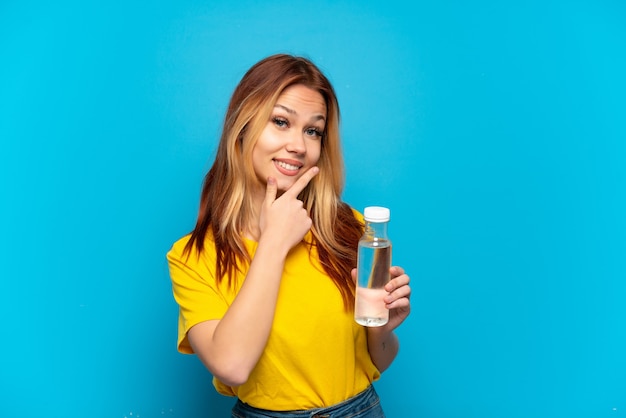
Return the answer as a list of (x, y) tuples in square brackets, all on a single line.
[(374, 261)]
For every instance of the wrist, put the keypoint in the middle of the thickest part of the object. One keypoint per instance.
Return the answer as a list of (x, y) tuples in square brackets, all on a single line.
[(379, 333), (274, 245)]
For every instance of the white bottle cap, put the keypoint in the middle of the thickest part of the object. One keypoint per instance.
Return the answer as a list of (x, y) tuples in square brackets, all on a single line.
[(376, 214)]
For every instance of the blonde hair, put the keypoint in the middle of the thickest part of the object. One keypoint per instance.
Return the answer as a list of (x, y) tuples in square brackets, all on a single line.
[(226, 206)]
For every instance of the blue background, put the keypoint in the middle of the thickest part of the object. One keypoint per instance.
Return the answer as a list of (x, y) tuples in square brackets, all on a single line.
[(495, 131)]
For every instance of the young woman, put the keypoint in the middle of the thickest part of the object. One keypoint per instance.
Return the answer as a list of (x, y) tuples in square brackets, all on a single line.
[(265, 281)]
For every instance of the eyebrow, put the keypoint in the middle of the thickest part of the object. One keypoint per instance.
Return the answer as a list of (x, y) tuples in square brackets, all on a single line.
[(293, 112)]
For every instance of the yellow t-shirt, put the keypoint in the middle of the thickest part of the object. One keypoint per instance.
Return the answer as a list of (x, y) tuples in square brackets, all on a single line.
[(316, 354)]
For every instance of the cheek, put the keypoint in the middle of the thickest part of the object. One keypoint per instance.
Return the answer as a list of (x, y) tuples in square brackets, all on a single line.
[(263, 147), (314, 152), (257, 158)]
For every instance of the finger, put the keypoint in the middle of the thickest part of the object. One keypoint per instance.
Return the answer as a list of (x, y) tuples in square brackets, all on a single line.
[(396, 271), (397, 282), (402, 303), (302, 182), (270, 190), (403, 292)]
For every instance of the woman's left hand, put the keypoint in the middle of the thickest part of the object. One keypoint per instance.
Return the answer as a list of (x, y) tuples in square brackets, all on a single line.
[(382, 342), (398, 299)]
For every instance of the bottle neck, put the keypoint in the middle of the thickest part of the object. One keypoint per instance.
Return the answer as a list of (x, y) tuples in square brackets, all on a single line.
[(376, 229)]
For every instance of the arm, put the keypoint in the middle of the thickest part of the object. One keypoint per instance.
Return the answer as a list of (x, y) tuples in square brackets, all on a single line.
[(382, 342), (231, 347)]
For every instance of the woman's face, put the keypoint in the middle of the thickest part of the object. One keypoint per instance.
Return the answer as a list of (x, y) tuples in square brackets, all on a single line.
[(291, 142)]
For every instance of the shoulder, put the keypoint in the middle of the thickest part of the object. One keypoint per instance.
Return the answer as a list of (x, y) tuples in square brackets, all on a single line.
[(180, 248), (189, 265), (348, 212), (180, 243), (357, 215)]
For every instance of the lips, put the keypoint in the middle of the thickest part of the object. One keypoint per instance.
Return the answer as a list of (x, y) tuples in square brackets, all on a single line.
[(289, 168)]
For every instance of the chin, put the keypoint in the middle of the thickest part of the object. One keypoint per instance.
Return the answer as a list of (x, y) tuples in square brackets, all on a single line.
[(283, 186)]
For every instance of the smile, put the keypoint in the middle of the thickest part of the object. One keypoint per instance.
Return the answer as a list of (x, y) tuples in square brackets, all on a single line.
[(287, 166)]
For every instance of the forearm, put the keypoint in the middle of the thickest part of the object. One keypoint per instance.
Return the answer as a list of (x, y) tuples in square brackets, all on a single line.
[(231, 348), (383, 347)]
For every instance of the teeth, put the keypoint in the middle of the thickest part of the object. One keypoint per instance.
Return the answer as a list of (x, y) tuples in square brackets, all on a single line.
[(287, 166)]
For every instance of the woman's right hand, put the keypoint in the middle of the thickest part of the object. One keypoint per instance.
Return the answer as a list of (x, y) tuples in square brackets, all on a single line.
[(231, 347), (285, 219)]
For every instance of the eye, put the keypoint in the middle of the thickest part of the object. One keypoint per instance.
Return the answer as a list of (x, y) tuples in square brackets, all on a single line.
[(314, 132), (280, 122)]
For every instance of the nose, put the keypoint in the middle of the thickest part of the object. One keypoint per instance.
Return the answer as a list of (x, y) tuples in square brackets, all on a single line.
[(296, 144)]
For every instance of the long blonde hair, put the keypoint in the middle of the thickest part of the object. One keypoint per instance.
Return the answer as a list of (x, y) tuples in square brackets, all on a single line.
[(226, 206)]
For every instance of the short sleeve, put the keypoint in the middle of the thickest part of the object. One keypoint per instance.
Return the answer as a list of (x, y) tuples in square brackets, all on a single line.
[(195, 290)]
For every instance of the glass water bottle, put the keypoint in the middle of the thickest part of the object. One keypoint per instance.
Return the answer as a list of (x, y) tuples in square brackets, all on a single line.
[(373, 263)]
